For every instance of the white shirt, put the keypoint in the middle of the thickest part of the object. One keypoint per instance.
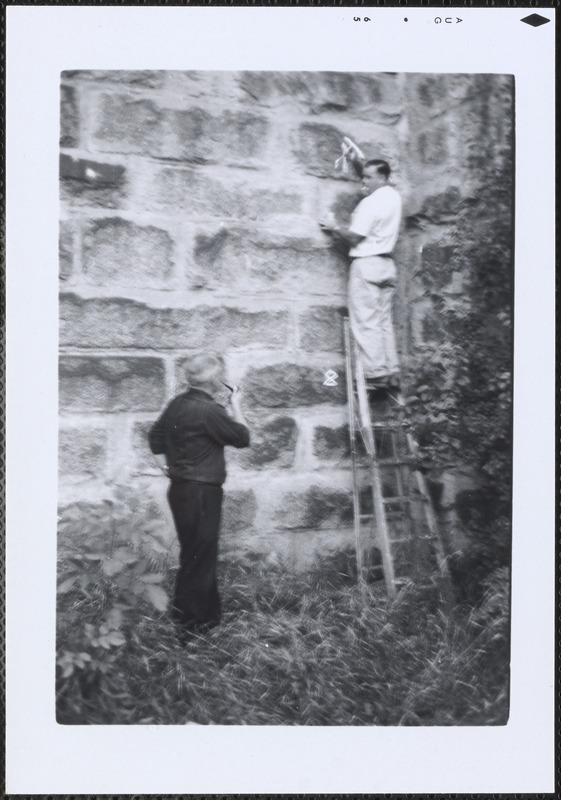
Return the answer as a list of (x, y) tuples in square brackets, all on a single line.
[(377, 218)]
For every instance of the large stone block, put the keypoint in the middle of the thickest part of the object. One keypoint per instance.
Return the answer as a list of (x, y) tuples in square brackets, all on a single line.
[(342, 91), (247, 262), (91, 183), (188, 135), (238, 511), (265, 87), (316, 92), (111, 384), (187, 84), (119, 253), (430, 89), (195, 193), (148, 78), (112, 322), (242, 134), (196, 136), (331, 444), (438, 93), (82, 451), (273, 443), (318, 147), (126, 124), (289, 385), (432, 146), (93, 172), (69, 118), (321, 328), (66, 249), (225, 328), (318, 507)]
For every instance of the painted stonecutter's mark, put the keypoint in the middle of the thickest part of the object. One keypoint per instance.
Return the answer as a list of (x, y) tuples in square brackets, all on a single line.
[(330, 378)]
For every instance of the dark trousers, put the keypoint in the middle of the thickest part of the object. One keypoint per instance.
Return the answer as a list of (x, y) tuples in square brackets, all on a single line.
[(196, 509)]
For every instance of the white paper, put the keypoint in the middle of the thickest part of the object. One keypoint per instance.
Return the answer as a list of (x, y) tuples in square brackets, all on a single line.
[(46, 758)]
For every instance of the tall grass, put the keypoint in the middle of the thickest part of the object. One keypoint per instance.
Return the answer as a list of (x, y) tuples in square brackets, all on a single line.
[(311, 649)]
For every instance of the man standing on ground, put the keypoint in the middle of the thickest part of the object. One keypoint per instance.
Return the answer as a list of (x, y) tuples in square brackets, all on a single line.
[(188, 441), (372, 235)]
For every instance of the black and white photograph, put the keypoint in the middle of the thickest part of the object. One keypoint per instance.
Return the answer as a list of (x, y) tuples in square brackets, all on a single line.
[(312, 273), (284, 382)]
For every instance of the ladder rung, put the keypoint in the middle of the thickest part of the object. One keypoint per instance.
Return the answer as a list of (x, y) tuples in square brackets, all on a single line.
[(418, 498), (369, 517), (414, 538), (368, 422), (403, 499), (392, 425), (397, 499), (403, 581)]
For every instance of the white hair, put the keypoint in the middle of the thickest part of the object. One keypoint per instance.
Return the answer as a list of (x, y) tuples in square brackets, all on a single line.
[(202, 369)]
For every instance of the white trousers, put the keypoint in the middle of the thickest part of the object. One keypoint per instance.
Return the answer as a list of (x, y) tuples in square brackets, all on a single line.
[(371, 290)]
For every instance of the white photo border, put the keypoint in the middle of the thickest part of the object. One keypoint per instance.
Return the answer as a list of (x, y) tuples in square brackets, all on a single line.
[(46, 758)]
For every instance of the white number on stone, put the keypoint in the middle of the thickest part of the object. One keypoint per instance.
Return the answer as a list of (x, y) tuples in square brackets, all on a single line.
[(330, 378)]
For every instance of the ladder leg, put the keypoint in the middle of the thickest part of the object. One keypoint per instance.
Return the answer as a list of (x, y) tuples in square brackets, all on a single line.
[(403, 484), (430, 515), (352, 434), (376, 478), (420, 488), (382, 530)]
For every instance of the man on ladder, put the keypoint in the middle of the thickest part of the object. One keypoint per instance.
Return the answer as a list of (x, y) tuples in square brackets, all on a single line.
[(371, 237)]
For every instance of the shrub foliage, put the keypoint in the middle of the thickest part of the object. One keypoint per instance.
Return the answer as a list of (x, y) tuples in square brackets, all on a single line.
[(313, 649), (461, 379), (113, 571)]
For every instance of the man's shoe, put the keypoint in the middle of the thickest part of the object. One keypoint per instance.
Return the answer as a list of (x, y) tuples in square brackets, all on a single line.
[(376, 384)]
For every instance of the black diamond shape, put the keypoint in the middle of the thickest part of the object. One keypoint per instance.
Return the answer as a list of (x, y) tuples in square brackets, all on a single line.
[(535, 20)]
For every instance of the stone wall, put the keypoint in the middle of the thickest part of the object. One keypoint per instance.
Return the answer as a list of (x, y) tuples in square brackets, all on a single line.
[(189, 208)]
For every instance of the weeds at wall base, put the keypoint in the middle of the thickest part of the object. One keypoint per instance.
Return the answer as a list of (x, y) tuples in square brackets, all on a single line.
[(313, 649)]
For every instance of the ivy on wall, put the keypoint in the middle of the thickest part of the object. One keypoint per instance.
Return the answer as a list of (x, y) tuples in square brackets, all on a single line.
[(461, 380)]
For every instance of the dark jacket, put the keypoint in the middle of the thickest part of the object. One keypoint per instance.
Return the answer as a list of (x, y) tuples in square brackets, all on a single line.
[(192, 432)]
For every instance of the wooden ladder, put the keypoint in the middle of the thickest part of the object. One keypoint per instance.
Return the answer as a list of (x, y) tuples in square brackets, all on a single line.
[(392, 509)]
